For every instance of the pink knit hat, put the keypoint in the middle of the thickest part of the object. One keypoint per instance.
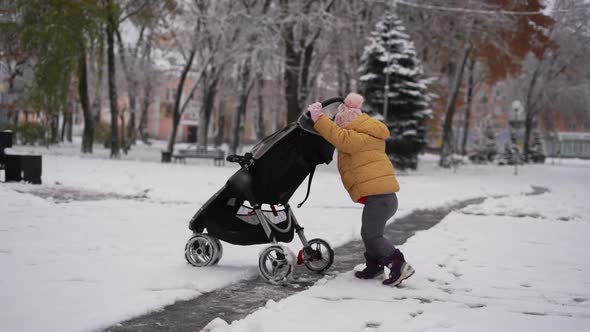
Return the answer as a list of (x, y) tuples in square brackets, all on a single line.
[(349, 110)]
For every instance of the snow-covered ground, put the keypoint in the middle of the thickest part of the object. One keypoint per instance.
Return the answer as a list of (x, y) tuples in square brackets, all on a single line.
[(473, 274), (102, 241)]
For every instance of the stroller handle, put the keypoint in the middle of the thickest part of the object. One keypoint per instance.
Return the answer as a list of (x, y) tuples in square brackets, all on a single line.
[(331, 101), (327, 103), (245, 161)]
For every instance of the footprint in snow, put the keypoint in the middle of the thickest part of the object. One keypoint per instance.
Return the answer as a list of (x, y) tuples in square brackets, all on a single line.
[(416, 313), (372, 325)]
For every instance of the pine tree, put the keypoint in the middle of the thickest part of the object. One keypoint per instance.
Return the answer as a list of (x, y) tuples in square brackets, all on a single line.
[(389, 63)]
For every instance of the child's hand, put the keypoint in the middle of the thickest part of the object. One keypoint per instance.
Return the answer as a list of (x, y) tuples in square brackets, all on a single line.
[(315, 111)]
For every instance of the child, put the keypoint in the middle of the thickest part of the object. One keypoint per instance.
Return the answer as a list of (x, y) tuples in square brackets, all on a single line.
[(369, 178)]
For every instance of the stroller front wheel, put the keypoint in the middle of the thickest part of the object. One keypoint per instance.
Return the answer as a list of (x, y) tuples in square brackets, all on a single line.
[(219, 250), (202, 250), (275, 263), (318, 256)]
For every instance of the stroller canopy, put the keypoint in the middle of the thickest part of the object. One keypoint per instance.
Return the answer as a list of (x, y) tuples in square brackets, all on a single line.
[(303, 123)]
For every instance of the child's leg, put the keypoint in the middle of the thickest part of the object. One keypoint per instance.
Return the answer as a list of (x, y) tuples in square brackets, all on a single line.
[(378, 209)]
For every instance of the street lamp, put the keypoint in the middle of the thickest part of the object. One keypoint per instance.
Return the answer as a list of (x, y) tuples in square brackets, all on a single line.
[(515, 123)]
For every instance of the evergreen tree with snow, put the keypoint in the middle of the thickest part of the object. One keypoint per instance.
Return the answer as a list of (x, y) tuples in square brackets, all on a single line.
[(389, 63)]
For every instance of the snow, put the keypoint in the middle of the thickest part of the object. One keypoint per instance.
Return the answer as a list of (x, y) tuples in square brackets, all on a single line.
[(102, 241), (368, 77), (474, 273), (411, 132)]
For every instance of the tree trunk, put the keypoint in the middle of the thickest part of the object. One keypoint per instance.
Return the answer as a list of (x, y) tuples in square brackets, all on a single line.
[(220, 129), (176, 116), (261, 130), (131, 131), (122, 135), (96, 107), (343, 76), (296, 77), (468, 105), (291, 79), (447, 139), (88, 133), (297, 62), (245, 88), (97, 102), (111, 26), (530, 112), (143, 120), (13, 113), (147, 95), (15, 116), (54, 127), (131, 134), (291, 70), (64, 125), (70, 125), (210, 93)]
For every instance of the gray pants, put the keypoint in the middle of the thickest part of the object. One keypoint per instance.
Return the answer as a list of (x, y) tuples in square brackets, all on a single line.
[(378, 209)]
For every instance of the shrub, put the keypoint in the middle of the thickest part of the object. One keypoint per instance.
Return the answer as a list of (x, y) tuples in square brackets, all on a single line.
[(30, 132), (102, 134)]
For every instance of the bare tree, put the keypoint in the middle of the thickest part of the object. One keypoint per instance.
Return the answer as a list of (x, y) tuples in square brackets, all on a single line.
[(149, 72), (493, 31), (206, 32), (301, 26), (472, 87), (88, 133), (111, 27), (569, 58)]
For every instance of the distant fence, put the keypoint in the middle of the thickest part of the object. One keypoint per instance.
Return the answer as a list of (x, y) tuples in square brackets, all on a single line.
[(568, 145)]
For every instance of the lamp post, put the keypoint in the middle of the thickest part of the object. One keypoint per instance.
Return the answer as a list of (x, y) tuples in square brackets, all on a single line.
[(515, 124)]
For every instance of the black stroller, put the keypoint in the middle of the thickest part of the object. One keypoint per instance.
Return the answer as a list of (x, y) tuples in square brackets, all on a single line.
[(253, 206)]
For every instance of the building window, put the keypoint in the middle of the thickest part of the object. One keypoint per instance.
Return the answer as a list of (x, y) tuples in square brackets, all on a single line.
[(572, 127)]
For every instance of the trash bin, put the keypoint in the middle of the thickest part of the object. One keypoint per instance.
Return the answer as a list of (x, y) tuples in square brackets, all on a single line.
[(166, 156), (19, 167), (31, 165), (13, 170), (5, 142)]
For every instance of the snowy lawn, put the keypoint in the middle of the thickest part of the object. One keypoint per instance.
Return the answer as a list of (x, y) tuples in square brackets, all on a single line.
[(102, 241), (472, 274), (516, 263)]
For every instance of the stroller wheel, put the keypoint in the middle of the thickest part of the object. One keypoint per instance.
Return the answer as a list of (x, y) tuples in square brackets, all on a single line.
[(201, 250), (318, 256), (275, 263), (219, 250)]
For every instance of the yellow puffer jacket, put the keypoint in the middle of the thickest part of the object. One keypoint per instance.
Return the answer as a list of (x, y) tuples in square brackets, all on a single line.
[(364, 167)]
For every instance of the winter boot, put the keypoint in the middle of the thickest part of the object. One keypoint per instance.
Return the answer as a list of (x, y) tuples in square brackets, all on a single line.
[(399, 270), (373, 268)]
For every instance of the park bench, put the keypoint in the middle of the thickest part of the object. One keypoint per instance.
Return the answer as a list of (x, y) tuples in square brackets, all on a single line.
[(217, 155)]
